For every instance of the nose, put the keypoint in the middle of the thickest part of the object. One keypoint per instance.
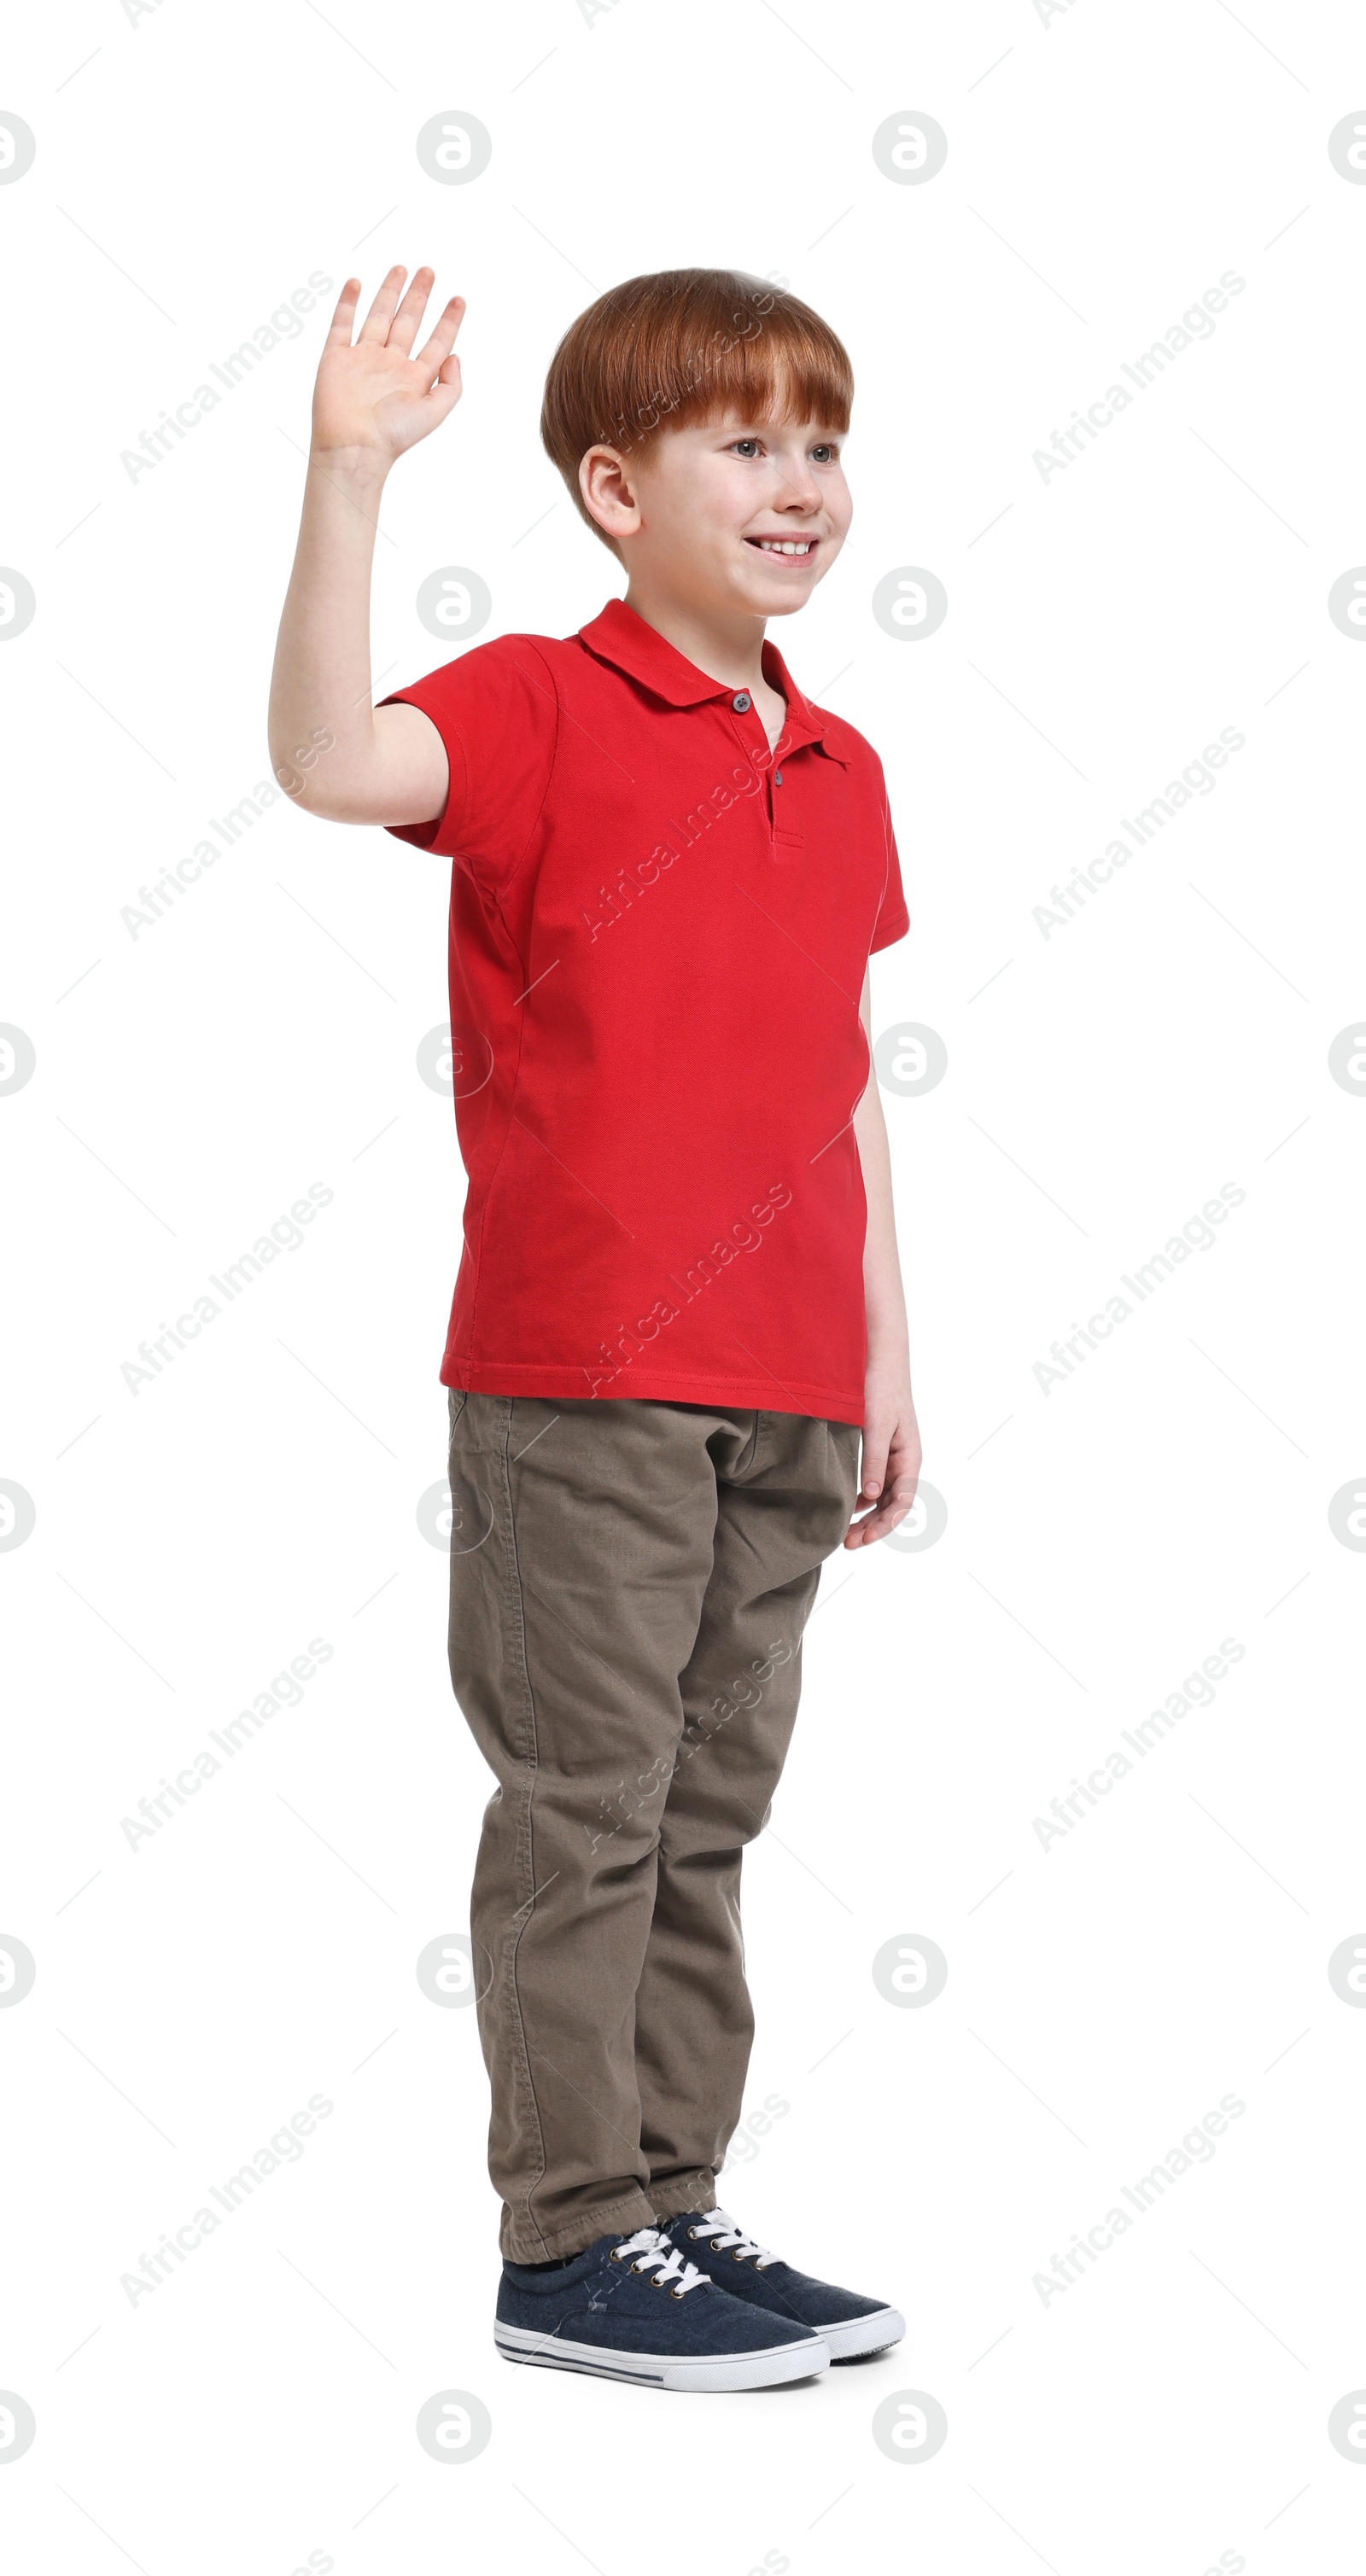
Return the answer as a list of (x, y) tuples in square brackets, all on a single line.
[(800, 490)]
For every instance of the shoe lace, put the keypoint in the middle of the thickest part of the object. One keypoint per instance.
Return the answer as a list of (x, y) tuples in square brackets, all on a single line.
[(725, 2236), (654, 2253)]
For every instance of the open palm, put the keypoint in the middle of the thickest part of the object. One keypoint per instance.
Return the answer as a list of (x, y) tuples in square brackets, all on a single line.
[(373, 393)]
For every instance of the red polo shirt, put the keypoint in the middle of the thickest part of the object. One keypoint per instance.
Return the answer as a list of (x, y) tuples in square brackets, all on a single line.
[(658, 937)]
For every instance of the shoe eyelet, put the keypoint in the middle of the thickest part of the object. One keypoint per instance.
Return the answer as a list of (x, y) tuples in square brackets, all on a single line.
[(693, 2234), (736, 2257), (614, 2256), (637, 2267), (675, 2294)]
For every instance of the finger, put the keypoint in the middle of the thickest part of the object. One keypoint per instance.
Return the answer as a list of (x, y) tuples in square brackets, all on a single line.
[(443, 397), (403, 328), (381, 313), (893, 1507), (859, 1524), (888, 1511), (339, 335), (874, 1464), (434, 352), (903, 1468), (904, 1476)]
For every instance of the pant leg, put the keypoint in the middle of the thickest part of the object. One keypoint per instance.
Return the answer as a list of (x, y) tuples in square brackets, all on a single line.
[(581, 1553), (781, 1510)]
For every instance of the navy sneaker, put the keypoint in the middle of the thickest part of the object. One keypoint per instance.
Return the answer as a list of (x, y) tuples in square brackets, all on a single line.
[(600, 2313), (849, 2326)]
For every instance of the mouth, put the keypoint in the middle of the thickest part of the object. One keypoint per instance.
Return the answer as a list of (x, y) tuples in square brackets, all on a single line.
[(797, 552)]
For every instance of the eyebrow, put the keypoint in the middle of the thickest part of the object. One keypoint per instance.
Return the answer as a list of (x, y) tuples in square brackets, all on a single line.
[(742, 428)]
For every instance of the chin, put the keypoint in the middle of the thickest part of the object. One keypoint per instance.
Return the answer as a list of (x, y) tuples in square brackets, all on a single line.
[(785, 604)]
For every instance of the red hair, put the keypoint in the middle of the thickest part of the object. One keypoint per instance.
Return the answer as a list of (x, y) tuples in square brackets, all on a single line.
[(681, 346)]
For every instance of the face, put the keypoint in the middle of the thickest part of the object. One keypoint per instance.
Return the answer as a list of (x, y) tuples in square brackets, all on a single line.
[(731, 515)]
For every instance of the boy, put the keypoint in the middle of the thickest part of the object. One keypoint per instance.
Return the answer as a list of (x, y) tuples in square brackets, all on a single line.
[(679, 1299)]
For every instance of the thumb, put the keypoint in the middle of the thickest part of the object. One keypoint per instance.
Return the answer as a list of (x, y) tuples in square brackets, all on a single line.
[(874, 1464)]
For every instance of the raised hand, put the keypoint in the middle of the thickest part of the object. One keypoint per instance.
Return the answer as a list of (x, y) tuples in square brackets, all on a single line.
[(372, 397)]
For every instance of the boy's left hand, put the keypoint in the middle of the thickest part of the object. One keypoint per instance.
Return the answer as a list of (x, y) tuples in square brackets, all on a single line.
[(891, 1460)]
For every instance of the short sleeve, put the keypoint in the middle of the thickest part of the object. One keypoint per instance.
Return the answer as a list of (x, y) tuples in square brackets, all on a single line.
[(893, 920), (497, 713)]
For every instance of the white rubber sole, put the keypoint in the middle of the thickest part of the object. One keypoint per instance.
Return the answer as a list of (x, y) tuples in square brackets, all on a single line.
[(766, 2368), (863, 2334)]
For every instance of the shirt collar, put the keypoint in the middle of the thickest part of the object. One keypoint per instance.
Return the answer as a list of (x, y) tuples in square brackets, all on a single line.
[(620, 636)]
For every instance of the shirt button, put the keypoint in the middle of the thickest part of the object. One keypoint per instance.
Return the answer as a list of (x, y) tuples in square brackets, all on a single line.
[(777, 777), (741, 704)]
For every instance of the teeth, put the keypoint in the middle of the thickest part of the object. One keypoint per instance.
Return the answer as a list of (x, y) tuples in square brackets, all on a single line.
[(785, 546)]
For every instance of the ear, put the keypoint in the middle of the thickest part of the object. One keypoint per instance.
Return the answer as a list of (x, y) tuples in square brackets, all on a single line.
[(607, 492)]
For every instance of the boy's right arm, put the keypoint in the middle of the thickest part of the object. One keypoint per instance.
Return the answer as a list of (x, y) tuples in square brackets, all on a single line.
[(330, 749)]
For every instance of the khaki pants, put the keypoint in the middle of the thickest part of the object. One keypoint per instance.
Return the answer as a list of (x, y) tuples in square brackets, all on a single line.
[(629, 1585)]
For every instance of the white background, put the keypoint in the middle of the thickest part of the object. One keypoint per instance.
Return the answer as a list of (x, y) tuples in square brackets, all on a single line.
[(1106, 164)]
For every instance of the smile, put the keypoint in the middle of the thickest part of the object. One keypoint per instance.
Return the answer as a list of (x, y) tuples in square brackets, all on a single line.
[(791, 549)]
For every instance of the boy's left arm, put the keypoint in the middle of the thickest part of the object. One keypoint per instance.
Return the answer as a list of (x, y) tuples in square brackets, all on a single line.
[(891, 1436)]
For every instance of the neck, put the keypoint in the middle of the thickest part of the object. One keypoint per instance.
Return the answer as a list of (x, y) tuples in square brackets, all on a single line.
[(727, 648)]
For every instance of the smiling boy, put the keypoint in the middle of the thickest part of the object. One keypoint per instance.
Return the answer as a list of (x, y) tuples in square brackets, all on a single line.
[(679, 1308)]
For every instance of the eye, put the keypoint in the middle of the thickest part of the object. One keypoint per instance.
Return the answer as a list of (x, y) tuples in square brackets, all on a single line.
[(826, 454), (747, 447)]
